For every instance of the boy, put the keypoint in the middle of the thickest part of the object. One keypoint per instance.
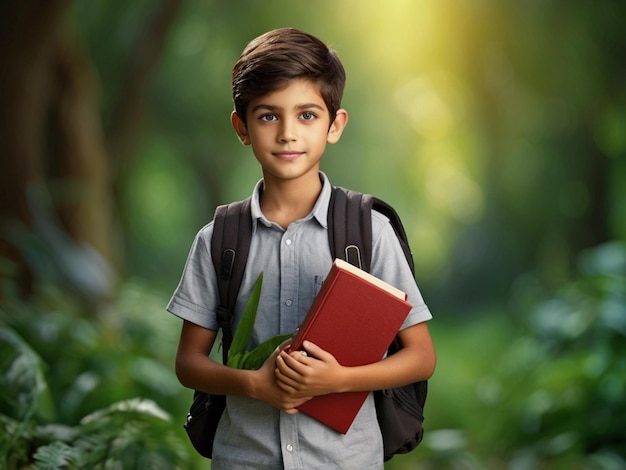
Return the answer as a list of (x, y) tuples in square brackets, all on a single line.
[(287, 89)]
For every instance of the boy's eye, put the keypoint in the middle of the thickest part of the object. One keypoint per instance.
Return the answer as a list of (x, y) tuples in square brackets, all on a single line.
[(308, 116), (267, 117)]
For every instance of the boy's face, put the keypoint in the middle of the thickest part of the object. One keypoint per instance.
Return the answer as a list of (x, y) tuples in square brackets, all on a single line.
[(288, 130)]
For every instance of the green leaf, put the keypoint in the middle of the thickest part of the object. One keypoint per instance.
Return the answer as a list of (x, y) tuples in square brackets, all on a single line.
[(244, 329), (57, 455), (21, 376), (238, 357), (255, 358), (235, 360)]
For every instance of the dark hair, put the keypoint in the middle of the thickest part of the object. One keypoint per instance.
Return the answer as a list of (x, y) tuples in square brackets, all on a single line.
[(269, 61)]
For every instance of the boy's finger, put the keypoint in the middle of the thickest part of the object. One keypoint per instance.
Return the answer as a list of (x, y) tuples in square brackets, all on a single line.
[(314, 350), (289, 366)]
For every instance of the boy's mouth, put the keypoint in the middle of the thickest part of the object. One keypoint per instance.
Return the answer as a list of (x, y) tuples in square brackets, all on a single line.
[(288, 155)]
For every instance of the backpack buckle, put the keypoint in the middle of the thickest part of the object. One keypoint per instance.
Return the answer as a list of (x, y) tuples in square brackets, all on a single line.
[(353, 256)]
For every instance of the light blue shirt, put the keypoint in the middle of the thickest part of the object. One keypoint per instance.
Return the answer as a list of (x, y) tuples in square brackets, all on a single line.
[(295, 261)]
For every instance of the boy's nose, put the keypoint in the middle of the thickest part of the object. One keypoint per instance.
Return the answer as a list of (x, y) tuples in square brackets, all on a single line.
[(287, 132)]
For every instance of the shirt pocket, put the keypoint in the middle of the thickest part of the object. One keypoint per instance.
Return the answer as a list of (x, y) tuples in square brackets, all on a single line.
[(317, 284), (309, 291)]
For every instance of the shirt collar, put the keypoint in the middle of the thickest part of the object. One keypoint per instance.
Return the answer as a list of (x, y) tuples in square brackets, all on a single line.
[(319, 212)]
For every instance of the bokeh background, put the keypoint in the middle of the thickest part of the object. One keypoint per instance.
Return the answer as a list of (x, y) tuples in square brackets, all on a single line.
[(496, 128)]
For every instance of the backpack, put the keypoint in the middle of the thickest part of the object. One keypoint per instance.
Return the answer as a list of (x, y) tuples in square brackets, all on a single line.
[(399, 410)]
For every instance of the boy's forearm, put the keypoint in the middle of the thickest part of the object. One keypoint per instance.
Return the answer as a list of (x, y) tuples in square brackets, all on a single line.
[(197, 371), (393, 371), (204, 374)]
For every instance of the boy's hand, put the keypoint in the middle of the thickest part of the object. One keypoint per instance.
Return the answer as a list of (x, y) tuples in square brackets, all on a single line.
[(309, 373), (268, 390)]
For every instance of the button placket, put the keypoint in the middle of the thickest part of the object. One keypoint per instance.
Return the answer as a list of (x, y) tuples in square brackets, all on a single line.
[(289, 283)]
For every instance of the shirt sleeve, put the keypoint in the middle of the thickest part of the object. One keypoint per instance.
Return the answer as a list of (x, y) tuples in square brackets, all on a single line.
[(390, 265), (196, 297)]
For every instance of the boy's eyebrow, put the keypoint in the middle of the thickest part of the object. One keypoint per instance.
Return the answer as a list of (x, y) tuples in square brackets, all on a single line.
[(271, 107)]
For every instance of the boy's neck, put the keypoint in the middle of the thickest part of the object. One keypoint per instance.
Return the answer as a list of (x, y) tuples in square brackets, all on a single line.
[(284, 202)]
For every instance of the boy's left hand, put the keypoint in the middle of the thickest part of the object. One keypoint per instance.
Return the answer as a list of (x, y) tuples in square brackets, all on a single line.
[(309, 373)]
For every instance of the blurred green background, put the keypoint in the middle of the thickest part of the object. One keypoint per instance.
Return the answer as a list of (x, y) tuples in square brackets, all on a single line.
[(496, 128)]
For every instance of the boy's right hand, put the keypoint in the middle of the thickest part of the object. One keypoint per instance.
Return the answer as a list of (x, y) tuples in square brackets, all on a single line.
[(267, 389)]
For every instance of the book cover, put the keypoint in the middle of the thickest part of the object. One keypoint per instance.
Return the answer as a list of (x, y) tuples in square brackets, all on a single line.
[(354, 317)]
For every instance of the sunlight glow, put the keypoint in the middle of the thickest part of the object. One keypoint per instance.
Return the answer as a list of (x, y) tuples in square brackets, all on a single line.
[(427, 110)]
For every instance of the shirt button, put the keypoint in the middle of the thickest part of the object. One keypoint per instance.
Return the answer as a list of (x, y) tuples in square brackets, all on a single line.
[(289, 448), (288, 242), (288, 302)]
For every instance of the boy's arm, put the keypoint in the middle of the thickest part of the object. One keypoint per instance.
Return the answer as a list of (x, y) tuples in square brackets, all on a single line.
[(197, 371), (318, 373)]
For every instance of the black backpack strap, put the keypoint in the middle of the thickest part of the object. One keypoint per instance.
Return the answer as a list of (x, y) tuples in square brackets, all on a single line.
[(350, 227), (230, 244)]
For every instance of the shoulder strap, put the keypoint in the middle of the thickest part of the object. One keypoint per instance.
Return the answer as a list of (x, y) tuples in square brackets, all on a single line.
[(350, 227), (230, 244)]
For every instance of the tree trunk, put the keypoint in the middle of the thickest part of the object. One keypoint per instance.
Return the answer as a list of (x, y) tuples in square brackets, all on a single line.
[(127, 116), (57, 174), (83, 162), (27, 51)]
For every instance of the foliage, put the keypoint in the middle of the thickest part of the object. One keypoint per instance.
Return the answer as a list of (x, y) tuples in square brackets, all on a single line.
[(238, 357), (543, 389), (68, 382), (563, 382), (129, 434)]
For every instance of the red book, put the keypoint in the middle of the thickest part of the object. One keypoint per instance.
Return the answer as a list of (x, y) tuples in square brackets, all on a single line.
[(354, 317)]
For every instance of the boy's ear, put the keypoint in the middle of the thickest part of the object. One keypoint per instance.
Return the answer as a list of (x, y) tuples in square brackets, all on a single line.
[(240, 128), (337, 126)]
